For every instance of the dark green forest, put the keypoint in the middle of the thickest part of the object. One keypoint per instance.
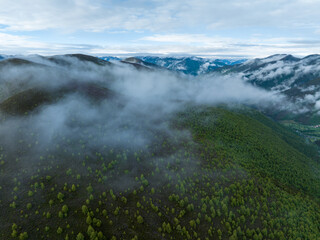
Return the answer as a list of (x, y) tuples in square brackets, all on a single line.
[(239, 176)]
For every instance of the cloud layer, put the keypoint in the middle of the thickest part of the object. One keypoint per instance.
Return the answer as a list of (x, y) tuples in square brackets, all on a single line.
[(156, 15), (215, 28), (138, 117)]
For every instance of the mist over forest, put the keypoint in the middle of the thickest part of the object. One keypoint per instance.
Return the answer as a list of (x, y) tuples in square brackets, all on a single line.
[(92, 149), (129, 104)]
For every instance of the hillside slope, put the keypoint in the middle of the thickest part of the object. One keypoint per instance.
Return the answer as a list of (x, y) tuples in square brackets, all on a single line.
[(240, 176), (259, 145)]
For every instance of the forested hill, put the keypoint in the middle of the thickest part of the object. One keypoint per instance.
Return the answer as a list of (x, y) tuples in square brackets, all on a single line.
[(86, 152)]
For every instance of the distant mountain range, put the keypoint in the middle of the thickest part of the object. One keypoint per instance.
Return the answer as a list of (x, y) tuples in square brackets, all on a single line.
[(110, 58), (296, 78), (190, 65), (187, 65), (3, 56), (281, 73)]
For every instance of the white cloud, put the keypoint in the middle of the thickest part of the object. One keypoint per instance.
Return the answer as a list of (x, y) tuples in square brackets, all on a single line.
[(156, 15), (181, 38), (201, 44), (204, 27), (10, 43), (170, 44), (15, 44)]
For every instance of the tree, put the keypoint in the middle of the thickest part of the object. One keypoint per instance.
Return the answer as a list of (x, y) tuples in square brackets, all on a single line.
[(84, 209), (65, 209), (59, 230), (60, 196), (88, 220), (80, 236), (140, 219), (23, 236)]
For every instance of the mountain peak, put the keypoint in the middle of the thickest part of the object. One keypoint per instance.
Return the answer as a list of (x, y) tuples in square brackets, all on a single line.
[(290, 58), (133, 60)]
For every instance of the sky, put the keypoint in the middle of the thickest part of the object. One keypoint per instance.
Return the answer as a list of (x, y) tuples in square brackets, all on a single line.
[(208, 28)]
